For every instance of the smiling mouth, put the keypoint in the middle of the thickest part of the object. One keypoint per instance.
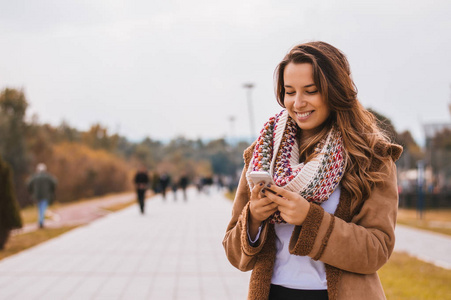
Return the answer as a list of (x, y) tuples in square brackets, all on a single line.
[(304, 115)]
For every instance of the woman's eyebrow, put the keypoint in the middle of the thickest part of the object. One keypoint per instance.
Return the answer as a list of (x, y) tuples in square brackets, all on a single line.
[(305, 86)]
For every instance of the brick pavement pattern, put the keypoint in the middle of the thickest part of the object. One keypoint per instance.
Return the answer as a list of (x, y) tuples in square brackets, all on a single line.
[(174, 251)]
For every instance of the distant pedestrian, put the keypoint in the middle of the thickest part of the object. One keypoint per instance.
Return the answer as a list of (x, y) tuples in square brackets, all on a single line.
[(183, 185), (220, 182), (207, 182), (9, 208), (141, 181), (42, 186), (155, 183), (174, 187), (198, 181), (165, 180)]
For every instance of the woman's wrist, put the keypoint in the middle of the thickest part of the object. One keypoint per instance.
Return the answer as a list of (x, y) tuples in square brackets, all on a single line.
[(253, 226)]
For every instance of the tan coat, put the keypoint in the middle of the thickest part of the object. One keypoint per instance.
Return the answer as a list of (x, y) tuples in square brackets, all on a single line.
[(353, 245)]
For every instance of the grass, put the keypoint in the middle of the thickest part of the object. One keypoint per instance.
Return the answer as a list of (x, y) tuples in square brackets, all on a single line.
[(437, 220), (230, 195), (119, 206), (20, 242), (29, 214), (407, 278)]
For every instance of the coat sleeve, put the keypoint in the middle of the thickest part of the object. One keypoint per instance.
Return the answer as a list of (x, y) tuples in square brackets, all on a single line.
[(236, 244), (361, 246)]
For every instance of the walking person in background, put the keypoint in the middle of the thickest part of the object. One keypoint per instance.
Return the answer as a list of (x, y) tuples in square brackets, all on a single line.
[(165, 180), (324, 222), (141, 181), (183, 185), (155, 183), (174, 187), (42, 186)]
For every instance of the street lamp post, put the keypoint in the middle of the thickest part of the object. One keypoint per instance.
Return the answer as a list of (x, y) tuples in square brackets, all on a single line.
[(232, 128), (249, 86)]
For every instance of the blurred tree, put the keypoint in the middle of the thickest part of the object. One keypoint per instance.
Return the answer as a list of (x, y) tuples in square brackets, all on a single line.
[(97, 138), (385, 124), (67, 133), (442, 140), (40, 139), (221, 156), (143, 155), (412, 152), (13, 106), (85, 172), (440, 156), (9, 208)]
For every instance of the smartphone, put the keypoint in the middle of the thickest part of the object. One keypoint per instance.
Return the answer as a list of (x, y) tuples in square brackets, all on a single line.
[(260, 176)]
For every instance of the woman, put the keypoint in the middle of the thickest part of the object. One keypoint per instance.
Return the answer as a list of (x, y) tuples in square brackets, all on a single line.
[(325, 224)]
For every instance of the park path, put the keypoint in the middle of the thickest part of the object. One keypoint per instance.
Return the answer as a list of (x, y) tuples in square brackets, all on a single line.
[(425, 245), (174, 251), (79, 213)]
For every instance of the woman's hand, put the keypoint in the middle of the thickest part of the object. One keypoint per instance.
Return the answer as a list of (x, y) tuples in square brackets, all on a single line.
[(261, 207), (292, 206)]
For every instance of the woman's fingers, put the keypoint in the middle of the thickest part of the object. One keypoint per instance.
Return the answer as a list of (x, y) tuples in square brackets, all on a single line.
[(261, 207), (293, 208), (270, 206), (274, 197), (283, 192), (256, 191)]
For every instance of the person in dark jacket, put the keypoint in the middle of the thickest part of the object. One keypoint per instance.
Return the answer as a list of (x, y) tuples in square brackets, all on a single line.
[(183, 185), (165, 181), (42, 186), (141, 182)]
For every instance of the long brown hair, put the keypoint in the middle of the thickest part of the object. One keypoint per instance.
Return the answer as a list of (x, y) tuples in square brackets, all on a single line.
[(361, 134)]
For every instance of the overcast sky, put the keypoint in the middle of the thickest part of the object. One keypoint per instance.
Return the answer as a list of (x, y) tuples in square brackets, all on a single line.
[(177, 67)]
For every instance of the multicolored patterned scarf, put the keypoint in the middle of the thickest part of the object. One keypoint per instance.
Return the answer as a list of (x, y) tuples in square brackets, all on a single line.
[(277, 152)]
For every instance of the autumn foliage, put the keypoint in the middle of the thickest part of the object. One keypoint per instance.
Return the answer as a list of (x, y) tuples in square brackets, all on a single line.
[(85, 172)]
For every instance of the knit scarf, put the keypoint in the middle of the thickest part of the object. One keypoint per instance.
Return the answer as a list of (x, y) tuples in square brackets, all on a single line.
[(277, 152)]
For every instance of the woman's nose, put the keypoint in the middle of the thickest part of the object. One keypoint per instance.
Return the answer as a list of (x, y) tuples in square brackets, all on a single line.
[(299, 102)]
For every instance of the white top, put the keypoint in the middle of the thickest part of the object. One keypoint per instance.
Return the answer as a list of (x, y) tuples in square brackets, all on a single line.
[(299, 272)]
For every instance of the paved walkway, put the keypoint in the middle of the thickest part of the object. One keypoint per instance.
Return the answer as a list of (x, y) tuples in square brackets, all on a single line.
[(174, 251), (428, 246), (79, 213)]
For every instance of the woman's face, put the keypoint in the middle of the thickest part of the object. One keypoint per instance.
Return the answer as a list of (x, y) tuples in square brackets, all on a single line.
[(302, 99)]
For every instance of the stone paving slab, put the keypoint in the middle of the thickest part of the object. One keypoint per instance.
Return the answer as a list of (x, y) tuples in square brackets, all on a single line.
[(174, 251)]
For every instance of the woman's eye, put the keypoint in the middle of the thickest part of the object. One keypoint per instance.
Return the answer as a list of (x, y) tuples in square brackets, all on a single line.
[(312, 92), (289, 93)]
